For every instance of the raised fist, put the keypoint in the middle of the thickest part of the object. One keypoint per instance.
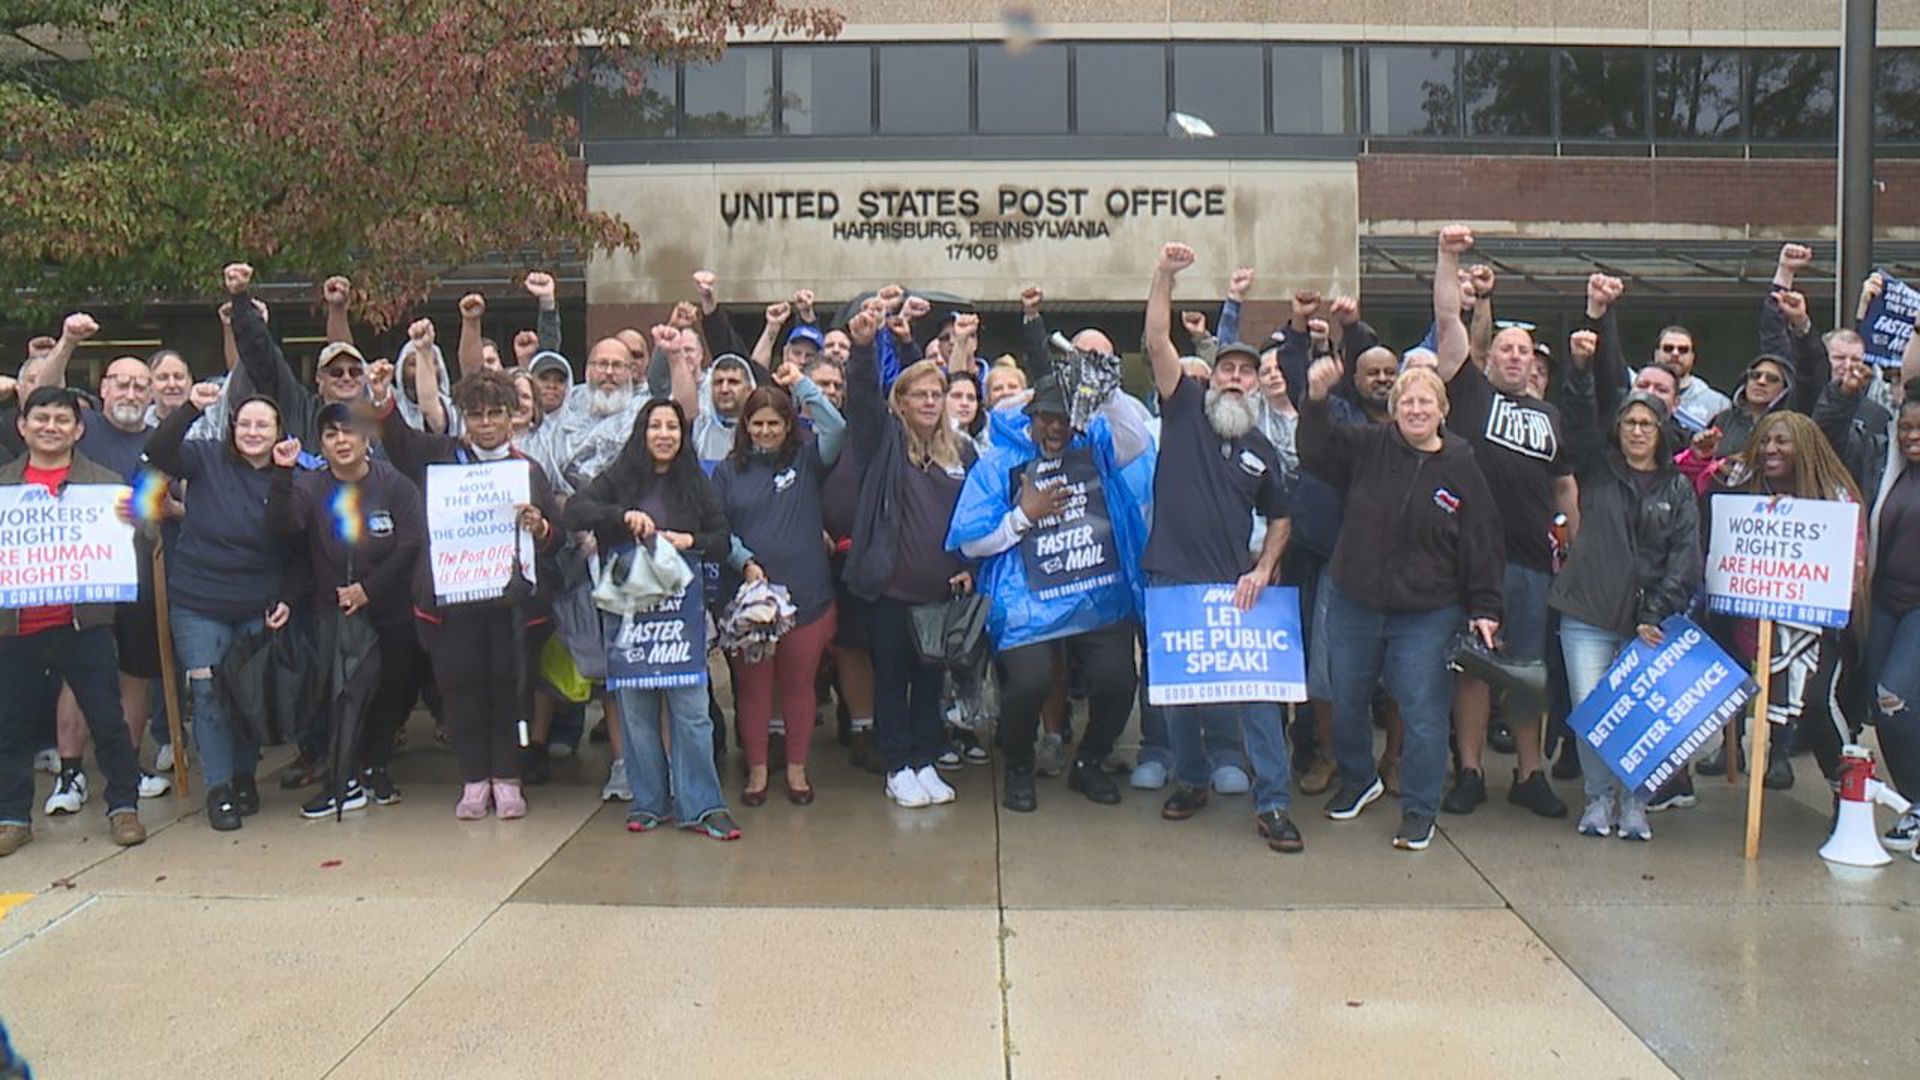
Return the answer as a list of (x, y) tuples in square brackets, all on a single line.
[(1581, 347), (704, 282), (1456, 239), (1483, 279), (420, 334), (1603, 290), (226, 313), (1319, 330), (1030, 298), (1346, 309), (1853, 377), (472, 306), (336, 291), (286, 453), (1793, 306), (525, 344), (684, 316), (902, 329), (379, 379), (1175, 258), (916, 307), (788, 374), (863, 326), (539, 285), (1795, 257), (1239, 282), (1323, 376), (665, 336), (237, 277), (777, 313), (966, 324), (1306, 304), (204, 395), (803, 301), (79, 326), (892, 295), (1195, 322)]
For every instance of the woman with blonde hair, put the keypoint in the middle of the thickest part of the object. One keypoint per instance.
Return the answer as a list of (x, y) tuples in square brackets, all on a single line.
[(914, 466), (1005, 379)]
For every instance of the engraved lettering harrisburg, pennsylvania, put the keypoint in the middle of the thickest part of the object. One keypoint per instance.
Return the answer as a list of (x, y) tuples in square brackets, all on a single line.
[(975, 220)]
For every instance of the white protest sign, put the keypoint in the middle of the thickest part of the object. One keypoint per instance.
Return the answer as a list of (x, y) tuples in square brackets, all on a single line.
[(471, 529), (1785, 559), (66, 549)]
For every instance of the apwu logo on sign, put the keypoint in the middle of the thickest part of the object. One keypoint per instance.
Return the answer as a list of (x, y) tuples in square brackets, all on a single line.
[(1521, 429)]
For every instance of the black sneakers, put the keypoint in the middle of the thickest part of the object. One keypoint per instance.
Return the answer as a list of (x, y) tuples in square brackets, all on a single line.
[(1415, 832), (1535, 794), (246, 795), (1019, 795), (1675, 794), (326, 804), (222, 813), (1469, 791), (1350, 799), (1281, 833), (380, 786), (1183, 803), (1087, 778)]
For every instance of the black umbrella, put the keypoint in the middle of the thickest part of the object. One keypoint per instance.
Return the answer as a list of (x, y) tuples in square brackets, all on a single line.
[(943, 306), (350, 647), (270, 681), (519, 590)]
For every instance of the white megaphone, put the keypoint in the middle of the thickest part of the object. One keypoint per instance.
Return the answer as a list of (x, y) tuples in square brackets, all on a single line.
[(1854, 841)]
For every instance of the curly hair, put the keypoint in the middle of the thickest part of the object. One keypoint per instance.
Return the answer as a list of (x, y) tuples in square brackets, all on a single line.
[(1818, 472)]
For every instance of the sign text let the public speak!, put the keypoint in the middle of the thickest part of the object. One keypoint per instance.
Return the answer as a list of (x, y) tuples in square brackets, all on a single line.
[(1788, 559), (66, 549), (1201, 649)]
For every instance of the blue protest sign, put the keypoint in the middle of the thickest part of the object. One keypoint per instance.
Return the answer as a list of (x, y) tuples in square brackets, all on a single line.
[(1889, 321), (1202, 650), (1658, 705), (663, 646)]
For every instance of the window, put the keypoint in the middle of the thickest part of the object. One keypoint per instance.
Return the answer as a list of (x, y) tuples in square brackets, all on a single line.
[(1603, 93), (1225, 85), (1897, 86), (925, 89), (1120, 89), (1412, 92), (1313, 90), (1507, 91), (1023, 93), (627, 99), (731, 96), (1795, 94), (1696, 94), (828, 90)]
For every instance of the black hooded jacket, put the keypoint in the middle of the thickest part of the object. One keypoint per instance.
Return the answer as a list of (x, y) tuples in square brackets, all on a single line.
[(1637, 558)]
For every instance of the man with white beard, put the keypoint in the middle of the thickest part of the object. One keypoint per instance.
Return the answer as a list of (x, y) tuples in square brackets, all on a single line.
[(1216, 470), (582, 436)]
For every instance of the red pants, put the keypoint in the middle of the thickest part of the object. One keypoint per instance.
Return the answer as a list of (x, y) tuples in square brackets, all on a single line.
[(792, 668)]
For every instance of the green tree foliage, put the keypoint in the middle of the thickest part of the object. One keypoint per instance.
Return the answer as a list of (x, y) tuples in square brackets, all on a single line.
[(145, 143)]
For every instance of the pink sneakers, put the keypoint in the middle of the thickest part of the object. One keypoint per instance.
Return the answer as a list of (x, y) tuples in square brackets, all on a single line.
[(507, 801), (474, 801)]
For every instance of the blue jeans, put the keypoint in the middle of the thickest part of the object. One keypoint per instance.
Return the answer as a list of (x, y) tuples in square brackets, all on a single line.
[(1219, 729), (86, 661), (1264, 725), (201, 642), (1409, 651), (1893, 677), (1589, 652), (686, 787)]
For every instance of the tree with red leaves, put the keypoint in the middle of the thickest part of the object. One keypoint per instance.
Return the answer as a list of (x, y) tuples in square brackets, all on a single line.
[(145, 143)]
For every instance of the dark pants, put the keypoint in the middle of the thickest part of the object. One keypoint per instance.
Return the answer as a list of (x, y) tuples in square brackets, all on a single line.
[(1105, 659), (906, 692), (403, 664), (84, 660), (474, 662)]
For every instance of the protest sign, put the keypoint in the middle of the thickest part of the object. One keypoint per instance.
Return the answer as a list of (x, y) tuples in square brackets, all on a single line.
[(66, 549), (1659, 704), (664, 646), (1202, 650), (1072, 551), (1889, 321), (1785, 558), (472, 529)]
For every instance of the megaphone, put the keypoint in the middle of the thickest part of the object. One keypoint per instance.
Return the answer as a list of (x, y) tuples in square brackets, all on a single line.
[(1854, 841)]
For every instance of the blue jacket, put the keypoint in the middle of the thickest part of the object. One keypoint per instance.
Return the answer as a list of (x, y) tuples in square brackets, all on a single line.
[(1016, 616)]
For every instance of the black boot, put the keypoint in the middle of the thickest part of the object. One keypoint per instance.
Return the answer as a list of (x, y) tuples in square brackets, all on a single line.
[(1779, 775), (222, 814), (1089, 779), (1019, 795)]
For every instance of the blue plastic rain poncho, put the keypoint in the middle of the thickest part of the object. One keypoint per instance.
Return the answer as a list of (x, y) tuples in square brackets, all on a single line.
[(1037, 590)]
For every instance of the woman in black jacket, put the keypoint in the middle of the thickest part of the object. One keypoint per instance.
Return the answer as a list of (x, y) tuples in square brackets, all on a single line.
[(1419, 548), (655, 487), (1637, 561)]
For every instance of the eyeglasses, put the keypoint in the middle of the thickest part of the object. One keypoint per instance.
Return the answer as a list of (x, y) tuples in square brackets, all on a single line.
[(493, 416), (1514, 324), (1639, 425), (344, 371), (1765, 376), (1674, 348), (924, 395), (607, 365)]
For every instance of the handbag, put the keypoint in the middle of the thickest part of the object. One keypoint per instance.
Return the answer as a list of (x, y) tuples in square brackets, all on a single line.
[(1523, 678), (952, 633)]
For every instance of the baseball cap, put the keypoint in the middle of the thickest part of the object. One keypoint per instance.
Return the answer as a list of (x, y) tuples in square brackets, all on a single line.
[(1237, 348), (337, 349), (549, 360), (809, 334), (1048, 397)]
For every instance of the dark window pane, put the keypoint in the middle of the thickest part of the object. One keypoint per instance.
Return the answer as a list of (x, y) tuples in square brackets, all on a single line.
[(828, 88), (1603, 94), (1223, 85), (732, 96), (1897, 115), (1023, 93), (1696, 94), (1313, 90), (923, 89), (1507, 91), (1794, 94), (1120, 88), (627, 99), (1411, 92)]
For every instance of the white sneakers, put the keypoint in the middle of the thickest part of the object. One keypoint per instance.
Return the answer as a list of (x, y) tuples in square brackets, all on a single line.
[(69, 794), (616, 789), (163, 758), (154, 785), (917, 788), (48, 761)]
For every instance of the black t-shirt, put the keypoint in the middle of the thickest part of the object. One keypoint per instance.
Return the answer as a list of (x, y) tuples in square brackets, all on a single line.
[(1205, 492), (776, 513), (116, 449), (1516, 442)]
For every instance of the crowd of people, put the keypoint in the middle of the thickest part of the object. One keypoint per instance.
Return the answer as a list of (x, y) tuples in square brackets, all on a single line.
[(840, 484)]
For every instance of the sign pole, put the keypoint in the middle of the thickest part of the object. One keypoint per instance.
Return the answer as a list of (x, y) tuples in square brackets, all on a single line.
[(169, 672), (1757, 769)]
